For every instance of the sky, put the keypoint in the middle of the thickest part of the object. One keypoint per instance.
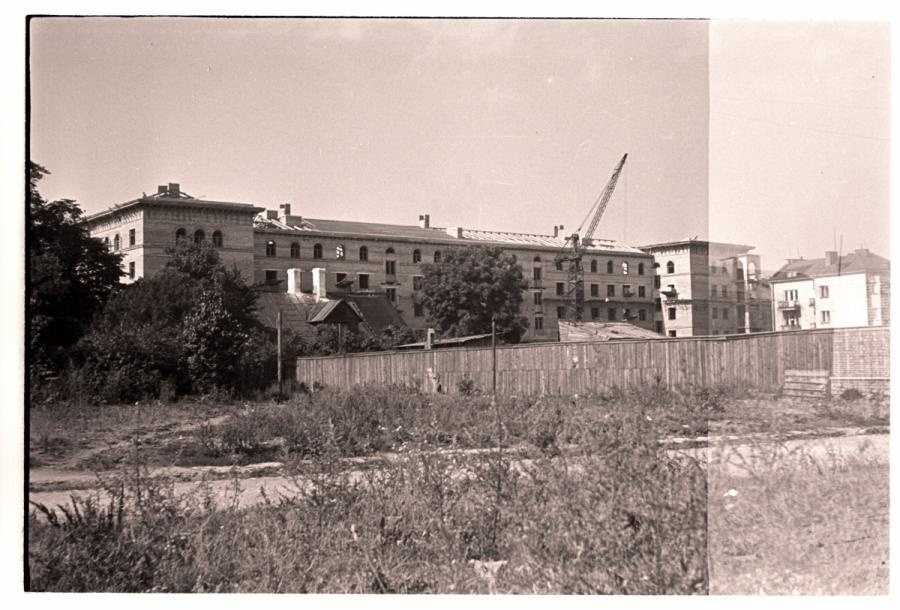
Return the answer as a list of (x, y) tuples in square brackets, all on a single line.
[(764, 133)]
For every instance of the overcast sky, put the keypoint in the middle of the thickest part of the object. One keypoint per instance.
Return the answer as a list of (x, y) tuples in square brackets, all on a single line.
[(774, 135)]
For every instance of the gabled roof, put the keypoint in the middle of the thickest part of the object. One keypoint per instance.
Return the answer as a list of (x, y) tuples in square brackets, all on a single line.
[(175, 198), (860, 261), (330, 309)]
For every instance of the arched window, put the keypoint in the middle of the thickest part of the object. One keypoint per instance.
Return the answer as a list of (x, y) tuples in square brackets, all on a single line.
[(624, 268), (339, 252), (537, 259), (640, 268), (317, 251), (295, 250), (363, 253), (106, 242), (437, 256), (199, 236), (180, 234), (117, 242), (417, 256), (389, 251), (609, 266), (271, 249), (670, 267), (593, 265), (217, 239)]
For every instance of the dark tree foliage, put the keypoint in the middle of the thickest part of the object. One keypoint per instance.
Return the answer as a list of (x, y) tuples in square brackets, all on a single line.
[(71, 276), (329, 340), (470, 286)]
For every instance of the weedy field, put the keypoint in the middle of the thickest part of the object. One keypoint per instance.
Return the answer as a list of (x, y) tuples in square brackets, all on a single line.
[(557, 495)]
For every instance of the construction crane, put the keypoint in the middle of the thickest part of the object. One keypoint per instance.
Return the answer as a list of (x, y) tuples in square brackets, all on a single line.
[(572, 251)]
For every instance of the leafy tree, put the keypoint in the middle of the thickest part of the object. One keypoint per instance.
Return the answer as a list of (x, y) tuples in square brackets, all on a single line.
[(469, 287), (71, 275)]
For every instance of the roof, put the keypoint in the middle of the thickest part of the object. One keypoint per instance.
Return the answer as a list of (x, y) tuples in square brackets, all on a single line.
[(860, 261), (569, 332), (716, 245), (329, 309), (376, 310), (350, 228), (448, 342), (178, 198)]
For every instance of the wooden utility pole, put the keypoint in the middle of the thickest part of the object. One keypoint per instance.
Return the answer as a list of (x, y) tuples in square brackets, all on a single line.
[(278, 327)]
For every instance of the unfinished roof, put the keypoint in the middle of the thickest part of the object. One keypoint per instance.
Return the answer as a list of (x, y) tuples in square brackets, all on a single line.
[(860, 261), (448, 342), (569, 332)]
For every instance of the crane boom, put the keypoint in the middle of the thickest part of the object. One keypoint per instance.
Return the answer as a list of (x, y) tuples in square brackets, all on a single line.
[(604, 198)]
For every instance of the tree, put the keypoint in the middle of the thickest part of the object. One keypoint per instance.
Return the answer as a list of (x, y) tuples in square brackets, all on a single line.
[(469, 287), (70, 276)]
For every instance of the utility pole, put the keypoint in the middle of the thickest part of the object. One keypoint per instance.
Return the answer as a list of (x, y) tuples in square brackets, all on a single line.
[(278, 327), (493, 359)]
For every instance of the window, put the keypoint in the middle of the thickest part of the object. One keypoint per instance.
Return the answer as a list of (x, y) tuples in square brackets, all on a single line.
[(389, 252), (611, 314), (559, 265), (199, 236), (538, 299), (725, 311), (595, 313), (339, 252), (271, 276), (671, 313), (270, 248), (560, 289), (106, 242), (672, 333), (218, 242), (417, 282), (826, 317), (670, 267), (363, 253), (363, 281), (180, 234), (561, 312), (538, 323), (595, 290), (724, 292), (339, 277), (624, 268), (537, 259), (417, 256), (714, 291), (823, 294), (642, 291), (390, 268), (593, 265), (537, 274), (740, 295), (739, 273), (610, 290), (609, 266), (627, 315), (741, 310), (418, 310), (626, 291), (132, 237), (640, 268), (295, 250), (790, 295), (656, 281), (391, 294), (131, 269), (659, 326), (317, 251), (117, 242), (437, 256), (642, 314), (715, 313)]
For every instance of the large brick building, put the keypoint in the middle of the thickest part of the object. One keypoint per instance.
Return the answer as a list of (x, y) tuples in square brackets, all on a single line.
[(367, 258)]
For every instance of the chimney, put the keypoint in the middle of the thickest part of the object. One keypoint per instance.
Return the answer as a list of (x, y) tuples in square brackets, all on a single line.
[(862, 252), (831, 257), (456, 232), (424, 221), (271, 214), (174, 188), (285, 209), (161, 189), (555, 230), (294, 281), (318, 283)]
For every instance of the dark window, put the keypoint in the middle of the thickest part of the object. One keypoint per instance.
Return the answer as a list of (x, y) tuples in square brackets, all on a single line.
[(339, 277), (537, 259), (270, 249), (363, 281), (437, 256), (671, 333), (656, 281), (317, 251), (627, 315), (117, 242), (389, 251), (131, 269), (538, 298), (739, 274), (642, 314), (538, 323), (626, 291), (295, 250), (659, 326), (611, 314), (724, 292), (595, 313), (561, 312), (642, 291), (559, 265), (671, 313), (363, 253), (640, 268), (339, 252), (609, 266), (670, 267), (715, 313), (391, 294), (390, 267), (610, 290), (271, 276), (417, 256), (418, 310), (199, 236), (560, 288), (131, 237), (180, 234), (106, 242), (417, 282), (218, 242), (724, 313), (595, 290), (593, 265), (537, 274)]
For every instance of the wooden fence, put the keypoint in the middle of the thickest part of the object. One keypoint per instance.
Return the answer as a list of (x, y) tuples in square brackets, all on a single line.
[(751, 361)]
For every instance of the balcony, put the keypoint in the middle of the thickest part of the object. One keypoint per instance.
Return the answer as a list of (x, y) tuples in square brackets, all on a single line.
[(788, 305), (669, 293)]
